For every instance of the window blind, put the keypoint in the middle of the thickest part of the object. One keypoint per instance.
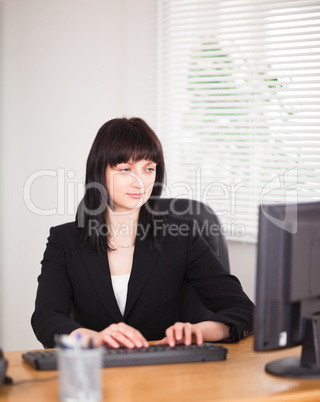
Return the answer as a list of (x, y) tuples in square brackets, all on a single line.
[(239, 104)]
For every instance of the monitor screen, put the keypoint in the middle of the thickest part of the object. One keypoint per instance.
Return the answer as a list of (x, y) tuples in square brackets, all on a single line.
[(288, 286)]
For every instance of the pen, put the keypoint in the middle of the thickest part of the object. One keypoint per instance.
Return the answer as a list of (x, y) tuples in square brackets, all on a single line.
[(90, 344)]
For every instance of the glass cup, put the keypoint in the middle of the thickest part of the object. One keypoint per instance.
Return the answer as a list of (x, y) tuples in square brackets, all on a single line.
[(79, 374)]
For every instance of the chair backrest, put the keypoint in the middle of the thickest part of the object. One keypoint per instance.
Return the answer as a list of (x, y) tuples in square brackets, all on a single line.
[(207, 221), (192, 310)]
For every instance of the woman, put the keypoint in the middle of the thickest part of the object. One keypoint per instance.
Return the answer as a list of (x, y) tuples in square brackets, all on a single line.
[(116, 273)]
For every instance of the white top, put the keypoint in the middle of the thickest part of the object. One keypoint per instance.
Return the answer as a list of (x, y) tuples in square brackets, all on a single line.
[(120, 289)]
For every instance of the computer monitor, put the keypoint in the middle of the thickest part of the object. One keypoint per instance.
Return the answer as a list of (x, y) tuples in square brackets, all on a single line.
[(287, 309)]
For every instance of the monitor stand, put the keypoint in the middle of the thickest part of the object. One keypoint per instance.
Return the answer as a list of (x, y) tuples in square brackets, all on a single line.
[(308, 364)]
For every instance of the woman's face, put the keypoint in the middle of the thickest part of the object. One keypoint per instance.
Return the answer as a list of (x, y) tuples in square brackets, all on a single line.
[(130, 184)]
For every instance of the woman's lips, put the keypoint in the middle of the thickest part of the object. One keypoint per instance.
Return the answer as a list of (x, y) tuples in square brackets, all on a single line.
[(136, 195)]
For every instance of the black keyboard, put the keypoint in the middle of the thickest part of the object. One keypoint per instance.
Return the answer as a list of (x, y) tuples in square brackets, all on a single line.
[(154, 354)]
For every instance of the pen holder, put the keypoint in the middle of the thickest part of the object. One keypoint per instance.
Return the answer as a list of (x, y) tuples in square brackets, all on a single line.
[(79, 374)]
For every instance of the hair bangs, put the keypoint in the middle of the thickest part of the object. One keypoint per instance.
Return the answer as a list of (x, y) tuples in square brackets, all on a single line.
[(134, 145)]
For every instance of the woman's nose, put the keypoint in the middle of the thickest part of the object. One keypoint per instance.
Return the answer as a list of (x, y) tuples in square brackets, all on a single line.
[(137, 181)]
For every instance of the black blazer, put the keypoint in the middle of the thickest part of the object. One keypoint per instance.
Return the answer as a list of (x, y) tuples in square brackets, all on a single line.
[(75, 280)]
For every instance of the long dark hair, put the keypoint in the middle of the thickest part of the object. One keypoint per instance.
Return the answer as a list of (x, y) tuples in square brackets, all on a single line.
[(118, 141)]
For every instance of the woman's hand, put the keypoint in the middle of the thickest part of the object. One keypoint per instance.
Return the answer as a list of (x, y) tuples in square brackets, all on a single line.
[(121, 334), (115, 335), (184, 332)]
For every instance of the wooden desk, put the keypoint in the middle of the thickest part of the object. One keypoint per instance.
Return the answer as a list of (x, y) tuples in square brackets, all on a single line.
[(240, 378)]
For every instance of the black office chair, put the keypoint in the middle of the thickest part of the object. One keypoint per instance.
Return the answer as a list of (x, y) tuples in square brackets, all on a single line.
[(192, 310)]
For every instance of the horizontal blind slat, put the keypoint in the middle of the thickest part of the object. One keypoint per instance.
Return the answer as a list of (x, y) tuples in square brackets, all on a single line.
[(240, 102)]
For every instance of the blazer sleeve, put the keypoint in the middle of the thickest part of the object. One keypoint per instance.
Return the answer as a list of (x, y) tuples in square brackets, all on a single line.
[(54, 295), (218, 290)]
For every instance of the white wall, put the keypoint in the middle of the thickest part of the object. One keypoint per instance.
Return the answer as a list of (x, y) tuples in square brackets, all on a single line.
[(141, 55), (67, 66)]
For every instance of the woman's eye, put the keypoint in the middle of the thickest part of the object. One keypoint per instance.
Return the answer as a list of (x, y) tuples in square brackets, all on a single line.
[(126, 170), (150, 170)]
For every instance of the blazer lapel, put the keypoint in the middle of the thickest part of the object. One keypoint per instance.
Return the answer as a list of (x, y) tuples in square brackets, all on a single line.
[(144, 259), (98, 268)]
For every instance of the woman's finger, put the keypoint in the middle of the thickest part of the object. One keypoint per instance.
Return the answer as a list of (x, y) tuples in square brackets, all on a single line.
[(170, 335), (123, 335), (163, 341), (178, 331), (108, 339), (183, 333), (188, 333), (175, 333), (197, 334), (134, 335), (122, 339)]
